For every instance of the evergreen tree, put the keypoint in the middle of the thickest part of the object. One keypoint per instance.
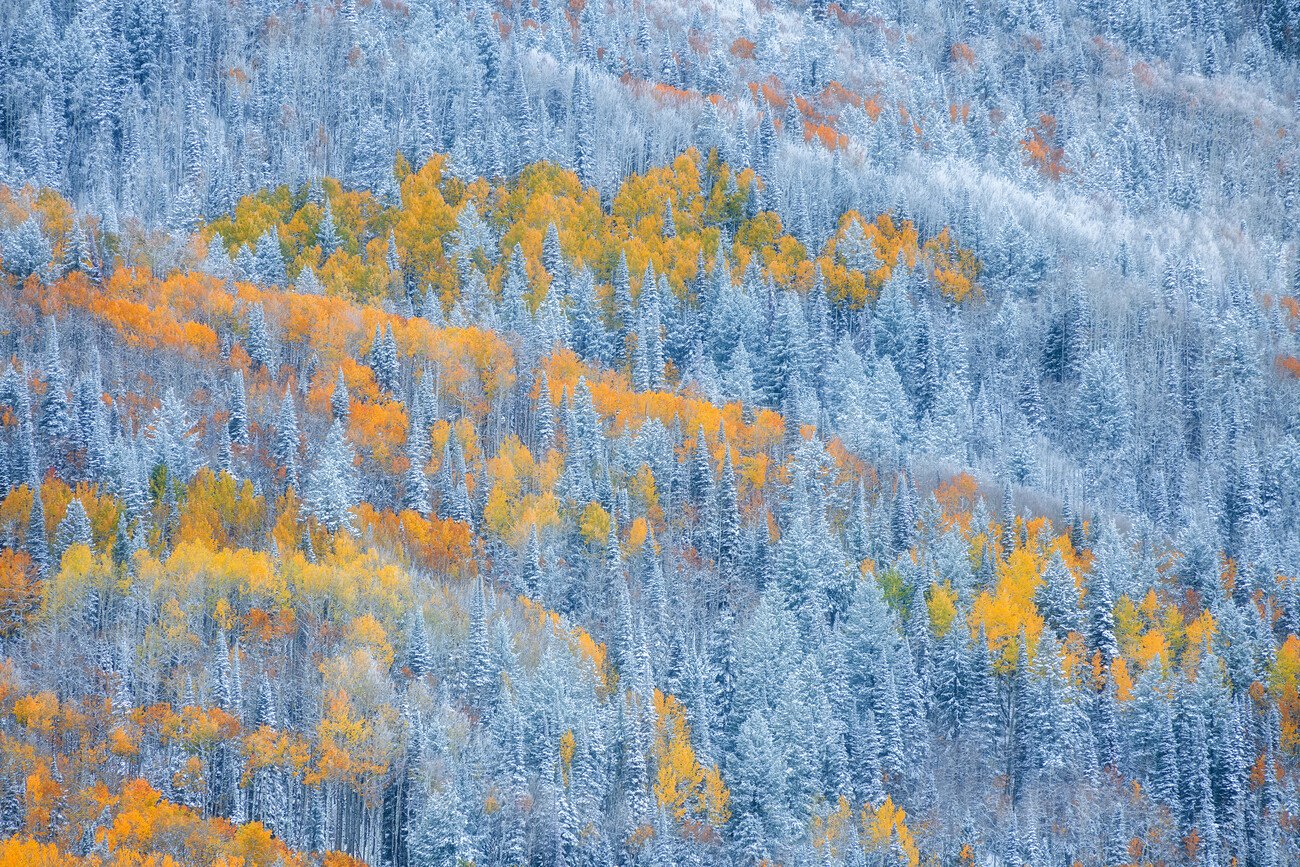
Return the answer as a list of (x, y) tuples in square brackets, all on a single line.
[(418, 658), (543, 416), (1057, 598), (331, 493), (286, 445), (258, 342), (516, 312), (25, 250), (383, 361), (327, 235), (268, 260), (56, 411), (74, 529), (171, 438), (1103, 411), (729, 542), (417, 495), (340, 401), (761, 820), (36, 542), (479, 667), (237, 425)]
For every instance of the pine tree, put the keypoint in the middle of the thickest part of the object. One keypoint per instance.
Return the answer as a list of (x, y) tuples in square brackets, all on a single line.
[(383, 361), (481, 684), (56, 411), (543, 417), (225, 453), (266, 713), (1057, 598), (92, 421), (340, 401), (285, 447), (418, 658), (331, 493), (36, 542), (416, 491), (327, 235), (171, 438), (220, 672), (238, 421), (258, 342), (1103, 413), (74, 529), (729, 551), (622, 310), (441, 836), (531, 565), (1066, 341), (217, 262), (782, 362), (245, 265), (761, 819), (516, 313), (895, 322), (1100, 605), (950, 683), (396, 274), (553, 259), (25, 249), (268, 260), (590, 338)]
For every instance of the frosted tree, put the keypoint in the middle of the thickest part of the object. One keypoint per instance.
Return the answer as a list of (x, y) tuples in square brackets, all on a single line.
[(25, 250), (287, 442), (237, 424), (74, 529), (258, 342), (340, 400), (332, 489), (56, 410), (383, 360)]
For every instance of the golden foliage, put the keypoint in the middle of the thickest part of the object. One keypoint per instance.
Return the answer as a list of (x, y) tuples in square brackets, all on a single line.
[(684, 787)]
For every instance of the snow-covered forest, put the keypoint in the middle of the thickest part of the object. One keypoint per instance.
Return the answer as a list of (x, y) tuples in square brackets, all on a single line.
[(649, 433)]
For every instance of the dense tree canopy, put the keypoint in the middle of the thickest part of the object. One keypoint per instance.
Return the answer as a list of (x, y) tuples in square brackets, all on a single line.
[(590, 433)]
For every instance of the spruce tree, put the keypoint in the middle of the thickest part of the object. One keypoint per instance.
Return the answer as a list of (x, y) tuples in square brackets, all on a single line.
[(238, 421), (327, 235), (331, 492), (258, 342), (56, 411), (383, 360), (418, 658), (286, 445), (74, 529), (340, 401), (36, 542)]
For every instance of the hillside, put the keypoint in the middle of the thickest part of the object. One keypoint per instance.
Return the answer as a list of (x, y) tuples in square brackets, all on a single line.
[(594, 433)]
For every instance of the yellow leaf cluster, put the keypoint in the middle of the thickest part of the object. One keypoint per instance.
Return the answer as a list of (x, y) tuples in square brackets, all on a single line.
[(684, 787), (1007, 611), (885, 825)]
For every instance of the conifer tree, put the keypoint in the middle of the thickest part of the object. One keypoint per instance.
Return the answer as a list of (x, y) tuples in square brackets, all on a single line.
[(36, 542), (383, 361), (74, 529), (1057, 598), (286, 445), (418, 658), (258, 342), (340, 401), (331, 492), (327, 235), (56, 411)]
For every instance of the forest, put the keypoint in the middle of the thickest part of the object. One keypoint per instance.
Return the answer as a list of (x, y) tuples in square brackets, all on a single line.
[(582, 432)]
